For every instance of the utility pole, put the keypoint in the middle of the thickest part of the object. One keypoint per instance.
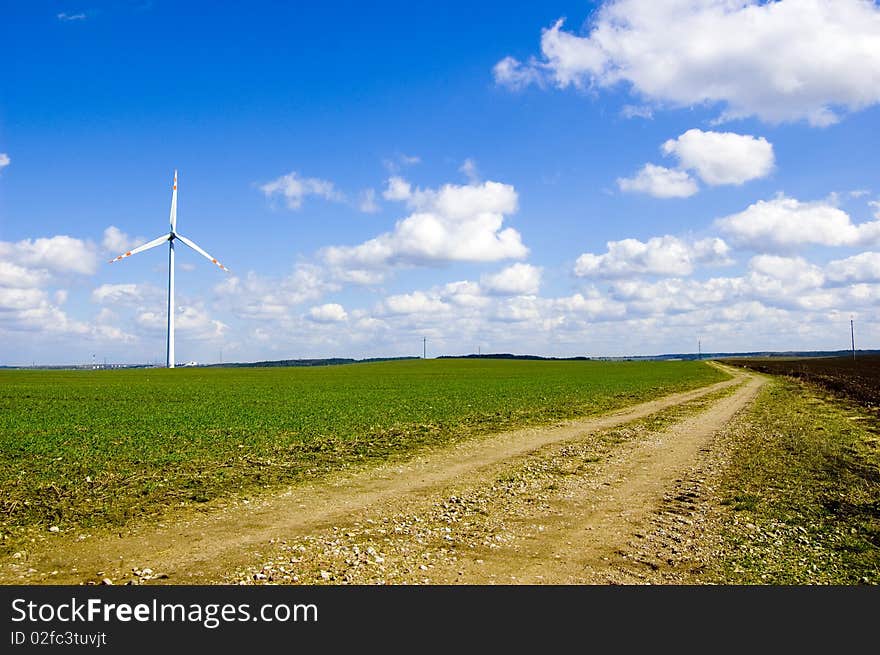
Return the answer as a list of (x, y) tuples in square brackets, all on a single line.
[(699, 349), (852, 336), (424, 348)]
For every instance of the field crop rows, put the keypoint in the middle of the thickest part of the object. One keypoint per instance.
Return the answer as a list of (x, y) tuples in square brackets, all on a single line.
[(96, 448), (856, 379)]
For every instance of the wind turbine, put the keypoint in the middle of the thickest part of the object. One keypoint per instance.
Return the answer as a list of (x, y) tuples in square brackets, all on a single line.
[(158, 241)]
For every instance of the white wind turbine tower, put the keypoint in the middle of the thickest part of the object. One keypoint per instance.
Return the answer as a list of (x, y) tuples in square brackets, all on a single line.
[(170, 238)]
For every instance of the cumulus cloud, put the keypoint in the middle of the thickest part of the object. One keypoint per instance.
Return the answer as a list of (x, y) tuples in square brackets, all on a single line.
[(29, 305), (255, 297), (722, 157), (784, 223), (399, 161), (192, 321), (715, 157), (667, 255), (594, 305), (329, 313), (59, 254), (397, 189), (126, 294), (452, 223), (515, 280), (469, 168), (790, 283), (4, 161), (463, 293), (864, 267), (21, 277), (117, 241), (294, 189), (787, 60), (367, 202), (511, 73), (787, 268), (417, 302), (660, 182)]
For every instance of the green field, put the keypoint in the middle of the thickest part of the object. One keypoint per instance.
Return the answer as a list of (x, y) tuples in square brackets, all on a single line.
[(97, 448)]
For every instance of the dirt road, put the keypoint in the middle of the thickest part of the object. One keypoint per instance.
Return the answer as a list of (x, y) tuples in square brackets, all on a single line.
[(547, 504)]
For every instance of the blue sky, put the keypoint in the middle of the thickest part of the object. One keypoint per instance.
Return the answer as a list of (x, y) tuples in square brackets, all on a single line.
[(637, 177)]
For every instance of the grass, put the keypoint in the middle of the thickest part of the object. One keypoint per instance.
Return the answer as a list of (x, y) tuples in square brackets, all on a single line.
[(98, 448), (801, 495)]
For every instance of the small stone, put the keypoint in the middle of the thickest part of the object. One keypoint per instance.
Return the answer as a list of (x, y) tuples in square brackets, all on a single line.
[(54, 528), (106, 581), (16, 555), (326, 575)]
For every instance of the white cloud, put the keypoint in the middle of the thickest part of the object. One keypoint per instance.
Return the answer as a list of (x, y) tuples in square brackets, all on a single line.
[(469, 168), (790, 283), (397, 189), (792, 269), (512, 74), (20, 298), (117, 241), (126, 294), (659, 182), (65, 17), (464, 294), (665, 255), (367, 202), (4, 160), (780, 61), (259, 298), (362, 276), (417, 302), (399, 161), (59, 254), (20, 277), (784, 223), (453, 223), (329, 313), (722, 157), (29, 306), (294, 189), (515, 280), (594, 306), (864, 267), (30, 311), (637, 111), (190, 321)]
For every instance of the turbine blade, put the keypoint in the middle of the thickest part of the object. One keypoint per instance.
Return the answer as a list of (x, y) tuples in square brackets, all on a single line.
[(200, 251), (158, 241), (173, 217)]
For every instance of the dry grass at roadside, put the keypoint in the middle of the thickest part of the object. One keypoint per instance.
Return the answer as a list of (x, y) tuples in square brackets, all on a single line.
[(789, 494)]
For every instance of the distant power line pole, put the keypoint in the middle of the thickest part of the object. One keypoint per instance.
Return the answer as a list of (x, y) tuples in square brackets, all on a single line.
[(852, 336), (699, 349), (424, 348)]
